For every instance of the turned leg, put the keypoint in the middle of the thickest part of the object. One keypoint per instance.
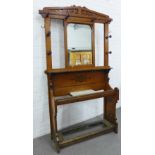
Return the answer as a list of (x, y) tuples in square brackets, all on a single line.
[(54, 125), (53, 118)]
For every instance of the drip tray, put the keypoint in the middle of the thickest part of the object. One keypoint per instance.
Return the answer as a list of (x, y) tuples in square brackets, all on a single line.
[(84, 129)]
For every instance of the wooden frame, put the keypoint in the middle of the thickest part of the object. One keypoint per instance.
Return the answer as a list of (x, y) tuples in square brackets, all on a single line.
[(64, 80)]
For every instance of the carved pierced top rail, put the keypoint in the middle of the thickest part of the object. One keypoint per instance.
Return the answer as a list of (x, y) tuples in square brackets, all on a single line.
[(74, 11)]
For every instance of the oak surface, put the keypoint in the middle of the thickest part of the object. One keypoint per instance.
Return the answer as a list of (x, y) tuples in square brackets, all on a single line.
[(65, 80)]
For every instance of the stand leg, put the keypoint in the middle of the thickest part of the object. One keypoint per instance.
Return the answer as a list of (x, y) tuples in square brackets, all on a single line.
[(110, 109), (54, 121)]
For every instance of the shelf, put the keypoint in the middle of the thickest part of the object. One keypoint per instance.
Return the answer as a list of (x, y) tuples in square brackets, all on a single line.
[(71, 99), (78, 69)]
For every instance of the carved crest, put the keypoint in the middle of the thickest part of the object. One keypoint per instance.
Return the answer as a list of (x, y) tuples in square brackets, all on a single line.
[(73, 11)]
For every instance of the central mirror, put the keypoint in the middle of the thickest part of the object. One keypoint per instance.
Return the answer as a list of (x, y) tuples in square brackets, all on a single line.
[(79, 43)]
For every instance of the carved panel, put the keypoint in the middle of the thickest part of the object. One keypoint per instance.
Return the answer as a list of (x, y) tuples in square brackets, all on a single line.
[(80, 78)]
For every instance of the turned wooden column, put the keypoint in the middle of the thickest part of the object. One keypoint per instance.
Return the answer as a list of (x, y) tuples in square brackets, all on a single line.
[(106, 44), (47, 22), (48, 42)]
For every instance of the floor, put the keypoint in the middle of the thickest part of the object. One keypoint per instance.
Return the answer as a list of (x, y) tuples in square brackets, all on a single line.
[(108, 144)]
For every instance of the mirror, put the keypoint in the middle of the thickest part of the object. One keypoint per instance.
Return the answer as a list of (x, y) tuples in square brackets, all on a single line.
[(79, 43)]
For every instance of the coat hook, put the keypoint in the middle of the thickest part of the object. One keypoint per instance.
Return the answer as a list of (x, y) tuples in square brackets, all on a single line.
[(110, 36), (110, 52)]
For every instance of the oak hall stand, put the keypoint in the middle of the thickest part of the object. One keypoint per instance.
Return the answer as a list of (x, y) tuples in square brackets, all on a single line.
[(79, 77)]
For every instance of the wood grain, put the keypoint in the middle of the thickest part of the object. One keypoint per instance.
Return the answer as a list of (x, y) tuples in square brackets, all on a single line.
[(62, 81)]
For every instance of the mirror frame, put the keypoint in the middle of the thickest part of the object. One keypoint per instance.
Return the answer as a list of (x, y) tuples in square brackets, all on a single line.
[(78, 21)]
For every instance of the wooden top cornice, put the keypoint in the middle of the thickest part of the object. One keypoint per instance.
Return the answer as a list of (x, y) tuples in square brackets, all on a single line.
[(74, 11)]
